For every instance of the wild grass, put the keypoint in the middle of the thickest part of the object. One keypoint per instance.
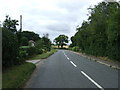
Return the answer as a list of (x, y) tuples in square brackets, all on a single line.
[(16, 76), (44, 55)]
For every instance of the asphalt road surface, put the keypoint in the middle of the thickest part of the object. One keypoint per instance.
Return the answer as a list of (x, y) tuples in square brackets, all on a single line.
[(65, 69)]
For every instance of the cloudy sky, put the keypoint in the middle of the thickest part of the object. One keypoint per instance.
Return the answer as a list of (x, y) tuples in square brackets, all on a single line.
[(48, 16)]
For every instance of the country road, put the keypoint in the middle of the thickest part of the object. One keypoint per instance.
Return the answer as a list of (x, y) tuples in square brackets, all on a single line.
[(65, 69)]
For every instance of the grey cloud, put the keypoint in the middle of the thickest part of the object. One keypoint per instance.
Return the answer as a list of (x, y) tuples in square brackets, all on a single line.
[(53, 15), (72, 5), (59, 27), (62, 18)]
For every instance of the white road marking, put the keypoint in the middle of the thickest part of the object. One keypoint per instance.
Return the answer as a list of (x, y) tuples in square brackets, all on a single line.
[(85, 74), (68, 58), (66, 55), (64, 52), (92, 80), (73, 64)]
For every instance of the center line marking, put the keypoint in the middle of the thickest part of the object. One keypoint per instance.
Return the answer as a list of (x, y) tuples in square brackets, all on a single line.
[(66, 56), (73, 64), (92, 80)]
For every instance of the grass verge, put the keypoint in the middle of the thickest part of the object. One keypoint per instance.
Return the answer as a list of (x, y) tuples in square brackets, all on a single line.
[(16, 76), (44, 55)]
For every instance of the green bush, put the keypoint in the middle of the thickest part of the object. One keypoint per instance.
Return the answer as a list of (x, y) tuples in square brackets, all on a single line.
[(24, 41), (70, 48), (39, 44), (46, 43), (29, 50), (44, 51), (10, 50), (40, 51), (23, 54), (76, 48), (32, 51)]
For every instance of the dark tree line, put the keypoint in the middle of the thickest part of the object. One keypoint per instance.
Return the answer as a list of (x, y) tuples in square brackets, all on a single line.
[(25, 36), (100, 35)]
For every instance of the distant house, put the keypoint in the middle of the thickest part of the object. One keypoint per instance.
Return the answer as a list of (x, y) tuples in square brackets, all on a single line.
[(32, 43)]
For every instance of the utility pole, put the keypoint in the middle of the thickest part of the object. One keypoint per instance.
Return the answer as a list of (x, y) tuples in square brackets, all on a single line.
[(0, 24), (20, 23), (20, 31)]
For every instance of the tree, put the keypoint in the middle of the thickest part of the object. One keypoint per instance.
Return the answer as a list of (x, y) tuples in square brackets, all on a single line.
[(30, 35), (24, 41), (100, 35), (39, 44), (73, 42), (9, 48), (46, 42), (61, 40), (113, 31), (10, 24)]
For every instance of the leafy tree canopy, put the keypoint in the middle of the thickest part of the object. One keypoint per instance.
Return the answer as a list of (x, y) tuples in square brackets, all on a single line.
[(100, 35), (30, 35), (10, 24), (61, 40)]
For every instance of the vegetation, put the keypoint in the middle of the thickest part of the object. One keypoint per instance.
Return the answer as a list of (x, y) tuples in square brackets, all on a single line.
[(27, 51), (24, 41), (9, 48), (44, 55), (30, 35), (16, 46), (25, 36), (15, 77), (75, 48), (10, 24), (61, 40), (46, 43), (100, 35)]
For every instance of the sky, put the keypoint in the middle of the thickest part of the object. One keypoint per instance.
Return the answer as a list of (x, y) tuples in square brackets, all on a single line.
[(54, 17)]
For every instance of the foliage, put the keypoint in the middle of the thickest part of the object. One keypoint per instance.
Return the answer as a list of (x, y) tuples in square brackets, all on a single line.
[(9, 48), (16, 76), (32, 51), (30, 35), (13, 39), (73, 40), (61, 40), (75, 48), (100, 35), (39, 44), (24, 41), (23, 54), (43, 55), (10, 24), (46, 43), (40, 51), (29, 50), (25, 36), (43, 44)]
